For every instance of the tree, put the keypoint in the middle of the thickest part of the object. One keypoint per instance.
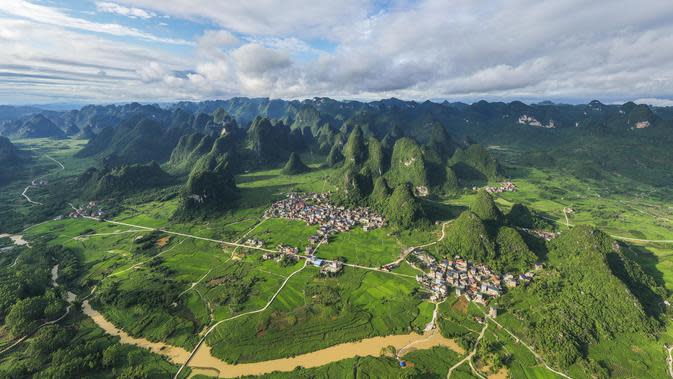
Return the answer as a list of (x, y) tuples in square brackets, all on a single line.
[(24, 315), (484, 207), (403, 208)]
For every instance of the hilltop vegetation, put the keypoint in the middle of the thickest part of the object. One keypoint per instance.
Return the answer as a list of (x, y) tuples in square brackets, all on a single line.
[(583, 298), (121, 180), (210, 188), (210, 169), (480, 234)]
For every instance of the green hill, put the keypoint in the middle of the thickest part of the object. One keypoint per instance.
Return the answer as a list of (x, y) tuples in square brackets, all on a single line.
[(407, 165), (334, 157), (513, 255), (210, 188), (294, 165), (475, 162), (375, 157), (122, 181), (467, 236), (10, 160), (484, 207), (268, 142), (403, 208), (136, 140), (187, 152), (583, 299), (39, 126), (380, 194), (355, 150)]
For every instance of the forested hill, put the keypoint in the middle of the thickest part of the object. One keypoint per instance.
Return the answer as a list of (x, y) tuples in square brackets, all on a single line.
[(589, 140)]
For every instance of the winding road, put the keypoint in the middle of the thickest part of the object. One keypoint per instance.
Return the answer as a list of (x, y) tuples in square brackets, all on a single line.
[(25, 190)]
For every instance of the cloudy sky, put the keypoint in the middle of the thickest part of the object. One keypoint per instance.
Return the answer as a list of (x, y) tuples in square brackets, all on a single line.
[(76, 51)]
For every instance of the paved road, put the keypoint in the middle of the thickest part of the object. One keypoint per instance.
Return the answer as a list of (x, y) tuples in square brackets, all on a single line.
[(25, 190), (617, 236)]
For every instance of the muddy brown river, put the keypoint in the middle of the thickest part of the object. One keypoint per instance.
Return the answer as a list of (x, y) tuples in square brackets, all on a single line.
[(204, 362)]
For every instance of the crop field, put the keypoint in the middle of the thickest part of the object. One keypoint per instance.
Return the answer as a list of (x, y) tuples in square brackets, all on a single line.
[(313, 312), (373, 248)]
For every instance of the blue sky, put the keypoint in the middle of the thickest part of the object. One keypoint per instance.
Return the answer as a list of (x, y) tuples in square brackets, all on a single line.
[(89, 51)]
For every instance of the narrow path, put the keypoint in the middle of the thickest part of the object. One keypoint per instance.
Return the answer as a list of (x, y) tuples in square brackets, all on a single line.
[(183, 234), (203, 339), (195, 283), (536, 355), (472, 353), (55, 161), (616, 236), (669, 360), (430, 329), (147, 260), (24, 194), (408, 250)]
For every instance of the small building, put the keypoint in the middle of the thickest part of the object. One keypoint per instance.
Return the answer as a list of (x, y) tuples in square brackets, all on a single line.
[(492, 312)]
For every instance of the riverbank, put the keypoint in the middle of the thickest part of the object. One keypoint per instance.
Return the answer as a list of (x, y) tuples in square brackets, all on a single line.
[(204, 362)]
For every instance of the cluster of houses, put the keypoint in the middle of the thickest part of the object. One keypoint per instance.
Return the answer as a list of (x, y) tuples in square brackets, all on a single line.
[(254, 242), (503, 187), (316, 209), (474, 281), (328, 268), (90, 209), (540, 233), (285, 253)]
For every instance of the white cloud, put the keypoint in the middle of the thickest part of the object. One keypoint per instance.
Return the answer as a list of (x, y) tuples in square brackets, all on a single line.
[(460, 50), (121, 10), (52, 16), (254, 59), (264, 17)]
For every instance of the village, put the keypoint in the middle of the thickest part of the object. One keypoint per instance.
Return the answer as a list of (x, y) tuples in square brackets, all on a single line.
[(503, 187), (477, 282), (90, 209), (315, 209)]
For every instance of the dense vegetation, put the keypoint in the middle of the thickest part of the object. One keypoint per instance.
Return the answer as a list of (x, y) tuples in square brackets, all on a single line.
[(482, 235), (121, 180), (583, 299)]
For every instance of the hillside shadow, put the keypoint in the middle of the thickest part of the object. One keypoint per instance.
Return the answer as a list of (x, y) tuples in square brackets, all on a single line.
[(259, 196), (440, 212), (254, 178), (649, 288), (647, 260)]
